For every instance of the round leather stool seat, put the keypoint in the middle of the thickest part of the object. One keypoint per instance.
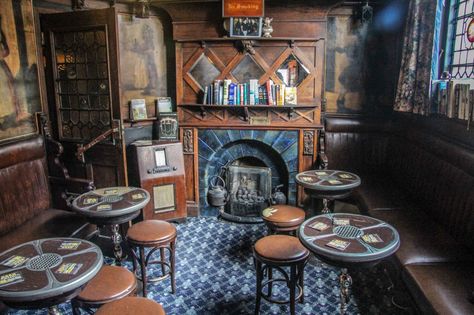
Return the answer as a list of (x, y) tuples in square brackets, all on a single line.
[(151, 231), (283, 216), (110, 284), (132, 306), (281, 248)]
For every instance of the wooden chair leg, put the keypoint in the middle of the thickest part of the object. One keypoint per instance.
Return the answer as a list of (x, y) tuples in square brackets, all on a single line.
[(301, 280), (270, 284), (143, 269), (293, 281), (163, 257), (172, 263), (258, 266)]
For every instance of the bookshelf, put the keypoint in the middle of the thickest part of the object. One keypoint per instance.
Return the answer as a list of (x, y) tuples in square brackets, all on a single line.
[(200, 62)]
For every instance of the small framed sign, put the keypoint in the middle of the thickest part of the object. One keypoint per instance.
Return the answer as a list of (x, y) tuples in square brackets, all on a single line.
[(163, 105), (245, 27), (242, 8), (167, 126), (138, 109)]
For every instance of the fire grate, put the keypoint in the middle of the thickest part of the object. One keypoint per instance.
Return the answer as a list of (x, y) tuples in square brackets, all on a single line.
[(249, 189)]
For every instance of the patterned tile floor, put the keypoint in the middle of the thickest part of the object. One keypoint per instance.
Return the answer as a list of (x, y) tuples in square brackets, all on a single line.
[(215, 275)]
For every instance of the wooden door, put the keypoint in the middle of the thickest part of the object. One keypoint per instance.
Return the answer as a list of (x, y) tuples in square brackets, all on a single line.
[(82, 79)]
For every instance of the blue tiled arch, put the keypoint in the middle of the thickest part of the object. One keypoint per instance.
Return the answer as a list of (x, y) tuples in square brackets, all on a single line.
[(276, 149)]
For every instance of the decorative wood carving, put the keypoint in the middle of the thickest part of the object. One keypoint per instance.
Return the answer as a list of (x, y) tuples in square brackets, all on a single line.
[(308, 142), (79, 5), (248, 46), (188, 141), (322, 157)]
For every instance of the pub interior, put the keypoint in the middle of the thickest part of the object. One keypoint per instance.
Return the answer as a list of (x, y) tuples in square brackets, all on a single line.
[(236, 157)]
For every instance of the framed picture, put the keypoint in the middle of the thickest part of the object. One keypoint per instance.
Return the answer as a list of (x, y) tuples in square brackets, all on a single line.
[(163, 105), (245, 27), (167, 127), (138, 109), (20, 95)]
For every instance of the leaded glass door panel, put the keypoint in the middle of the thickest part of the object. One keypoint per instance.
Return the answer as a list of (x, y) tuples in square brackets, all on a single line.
[(83, 92)]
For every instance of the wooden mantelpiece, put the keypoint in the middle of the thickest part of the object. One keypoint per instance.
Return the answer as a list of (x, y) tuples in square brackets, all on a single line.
[(299, 30)]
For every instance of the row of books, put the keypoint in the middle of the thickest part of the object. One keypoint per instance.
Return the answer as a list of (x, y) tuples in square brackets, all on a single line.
[(456, 100), (226, 92)]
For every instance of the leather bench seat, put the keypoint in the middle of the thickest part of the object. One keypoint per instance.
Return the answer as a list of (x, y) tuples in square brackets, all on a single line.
[(423, 184), (443, 288), (378, 192), (47, 223), (422, 240)]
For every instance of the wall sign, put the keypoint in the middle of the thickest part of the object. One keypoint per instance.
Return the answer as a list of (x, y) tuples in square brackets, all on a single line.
[(242, 8)]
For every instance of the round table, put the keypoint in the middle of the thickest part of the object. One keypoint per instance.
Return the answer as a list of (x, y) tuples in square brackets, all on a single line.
[(348, 240), (46, 272), (328, 184), (112, 206)]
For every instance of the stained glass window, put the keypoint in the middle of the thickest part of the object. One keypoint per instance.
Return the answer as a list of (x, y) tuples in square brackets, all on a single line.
[(461, 58)]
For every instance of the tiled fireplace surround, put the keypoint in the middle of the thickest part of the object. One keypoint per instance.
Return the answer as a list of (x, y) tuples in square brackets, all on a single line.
[(277, 149)]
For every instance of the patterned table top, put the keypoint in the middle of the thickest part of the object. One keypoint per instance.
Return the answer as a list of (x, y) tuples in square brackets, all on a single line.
[(327, 180), (111, 202), (47, 268), (352, 238)]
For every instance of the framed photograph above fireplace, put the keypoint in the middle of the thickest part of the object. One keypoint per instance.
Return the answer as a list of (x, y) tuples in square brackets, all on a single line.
[(245, 27)]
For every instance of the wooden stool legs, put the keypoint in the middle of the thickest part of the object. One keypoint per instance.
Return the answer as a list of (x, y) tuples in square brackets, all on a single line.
[(294, 281), (167, 267)]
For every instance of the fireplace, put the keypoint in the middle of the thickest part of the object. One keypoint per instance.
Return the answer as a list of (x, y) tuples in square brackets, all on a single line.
[(272, 154)]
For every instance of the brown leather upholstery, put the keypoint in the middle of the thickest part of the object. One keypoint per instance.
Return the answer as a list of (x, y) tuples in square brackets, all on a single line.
[(447, 287), (420, 179), (151, 231), (110, 284), (281, 248), (421, 239), (284, 216), (25, 212), (24, 183), (132, 306)]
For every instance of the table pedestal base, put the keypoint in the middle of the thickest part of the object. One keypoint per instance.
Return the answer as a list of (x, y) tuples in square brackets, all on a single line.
[(117, 240), (345, 282), (325, 209)]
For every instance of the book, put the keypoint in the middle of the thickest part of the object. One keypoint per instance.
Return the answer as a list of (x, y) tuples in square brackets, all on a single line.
[(231, 97), (269, 88), (163, 105), (290, 96), (138, 109), (216, 85), (450, 100), (205, 95), (225, 89)]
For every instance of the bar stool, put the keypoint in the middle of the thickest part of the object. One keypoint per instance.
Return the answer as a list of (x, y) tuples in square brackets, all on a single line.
[(277, 252), (132, 306), (153, 234), (283, 218), (110, 284)]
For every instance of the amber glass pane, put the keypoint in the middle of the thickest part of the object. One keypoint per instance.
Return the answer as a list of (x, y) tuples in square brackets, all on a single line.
[(204, 71)]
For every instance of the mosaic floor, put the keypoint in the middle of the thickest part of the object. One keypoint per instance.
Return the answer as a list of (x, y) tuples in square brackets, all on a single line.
[(215, 275)]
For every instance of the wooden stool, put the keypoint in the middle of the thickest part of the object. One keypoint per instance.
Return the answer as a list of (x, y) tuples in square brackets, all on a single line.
[(277, 252), (283, 218), (153, 234), (110, 284), (132, 306)]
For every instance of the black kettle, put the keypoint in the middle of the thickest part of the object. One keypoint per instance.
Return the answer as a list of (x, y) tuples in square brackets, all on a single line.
[(217, 195)]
